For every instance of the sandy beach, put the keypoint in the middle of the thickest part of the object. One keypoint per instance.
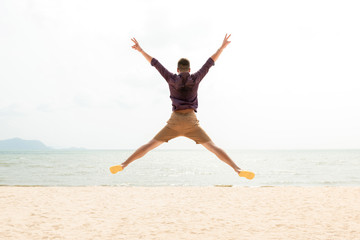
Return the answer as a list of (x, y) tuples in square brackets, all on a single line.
[(180, 213)]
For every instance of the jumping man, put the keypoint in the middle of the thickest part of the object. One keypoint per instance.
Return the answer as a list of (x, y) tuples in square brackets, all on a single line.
[(183, 121)]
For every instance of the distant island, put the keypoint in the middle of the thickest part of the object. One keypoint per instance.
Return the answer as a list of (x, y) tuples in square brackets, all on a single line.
[(18, 144)]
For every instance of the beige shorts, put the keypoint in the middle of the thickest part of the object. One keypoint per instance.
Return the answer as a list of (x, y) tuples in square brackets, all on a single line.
[(183, 123)]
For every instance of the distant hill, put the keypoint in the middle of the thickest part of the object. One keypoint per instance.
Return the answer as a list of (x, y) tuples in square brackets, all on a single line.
[(18, 144)]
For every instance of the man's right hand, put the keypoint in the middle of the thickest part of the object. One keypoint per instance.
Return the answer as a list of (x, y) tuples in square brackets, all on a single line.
[(226, 42)]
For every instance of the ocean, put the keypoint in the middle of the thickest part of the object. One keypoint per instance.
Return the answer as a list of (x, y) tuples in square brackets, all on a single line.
[(180, 168)]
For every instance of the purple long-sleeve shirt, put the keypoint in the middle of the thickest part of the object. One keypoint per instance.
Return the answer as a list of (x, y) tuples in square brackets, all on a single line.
[(184, 86)]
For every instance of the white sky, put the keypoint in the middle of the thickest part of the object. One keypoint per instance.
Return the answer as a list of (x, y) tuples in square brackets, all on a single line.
[(288, 80)]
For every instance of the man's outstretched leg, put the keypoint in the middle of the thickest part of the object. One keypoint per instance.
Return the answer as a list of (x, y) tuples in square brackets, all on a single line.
[(221, 154), (140, 152)]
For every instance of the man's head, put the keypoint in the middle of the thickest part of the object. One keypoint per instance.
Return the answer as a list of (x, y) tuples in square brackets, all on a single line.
[(183, 65)]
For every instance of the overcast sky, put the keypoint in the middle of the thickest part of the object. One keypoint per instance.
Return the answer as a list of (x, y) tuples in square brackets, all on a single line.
[(288, 80)]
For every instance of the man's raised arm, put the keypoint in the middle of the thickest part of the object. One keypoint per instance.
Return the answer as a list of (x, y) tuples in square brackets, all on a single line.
[(223, 46), (137, 47), (153, 61)]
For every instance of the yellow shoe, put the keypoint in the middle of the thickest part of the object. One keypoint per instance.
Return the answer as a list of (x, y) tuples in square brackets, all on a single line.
[(247, 174), (115, 169)]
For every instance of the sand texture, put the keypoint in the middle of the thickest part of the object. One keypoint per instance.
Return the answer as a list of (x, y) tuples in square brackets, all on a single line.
[(180, 213)]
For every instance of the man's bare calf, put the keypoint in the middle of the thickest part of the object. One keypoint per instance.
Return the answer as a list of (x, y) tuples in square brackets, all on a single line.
[(140, 152), (221, 154)]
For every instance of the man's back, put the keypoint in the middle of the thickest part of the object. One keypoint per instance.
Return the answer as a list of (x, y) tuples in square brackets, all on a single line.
[(183, 86)]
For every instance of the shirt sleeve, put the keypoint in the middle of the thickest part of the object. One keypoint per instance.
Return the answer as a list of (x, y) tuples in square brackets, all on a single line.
[(199, 75), (162, 70)]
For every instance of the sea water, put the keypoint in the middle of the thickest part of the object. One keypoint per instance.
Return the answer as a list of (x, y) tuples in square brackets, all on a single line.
[(180, 168)]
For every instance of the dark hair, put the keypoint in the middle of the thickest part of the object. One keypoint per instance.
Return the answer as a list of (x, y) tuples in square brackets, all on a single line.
[(183, 65)]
